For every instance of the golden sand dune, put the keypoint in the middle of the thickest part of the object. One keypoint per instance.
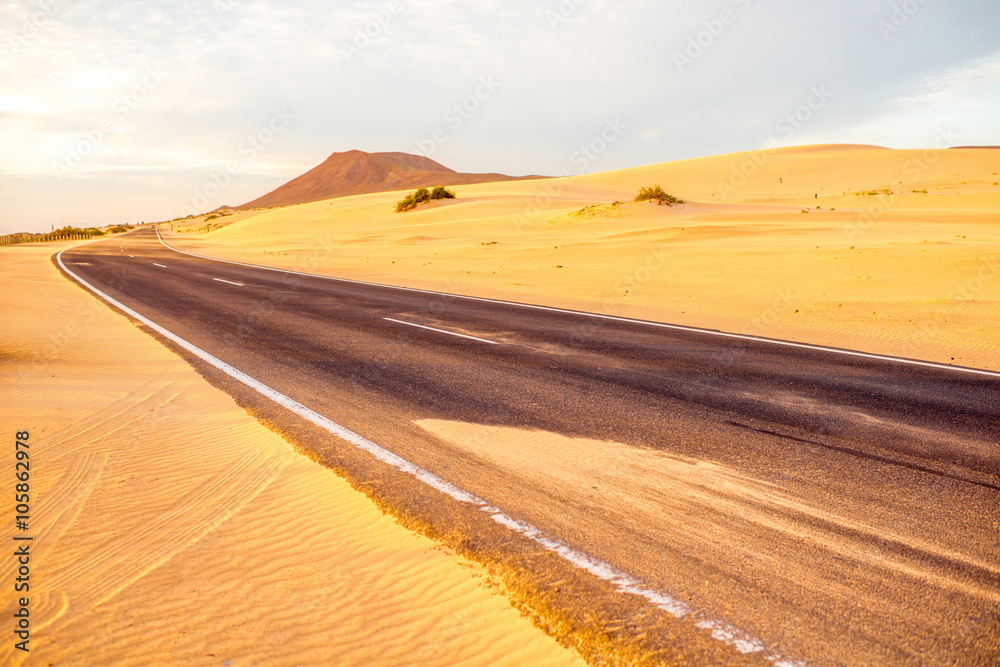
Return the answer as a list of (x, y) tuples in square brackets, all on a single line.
[(889, 251), (172, 528)]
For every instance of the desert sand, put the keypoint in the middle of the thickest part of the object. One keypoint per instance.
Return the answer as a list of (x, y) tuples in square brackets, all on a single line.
[(892, 252), (172, 528)]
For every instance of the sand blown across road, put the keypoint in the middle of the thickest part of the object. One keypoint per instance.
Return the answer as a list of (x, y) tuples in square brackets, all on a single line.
[(171, 528), (890, 252)]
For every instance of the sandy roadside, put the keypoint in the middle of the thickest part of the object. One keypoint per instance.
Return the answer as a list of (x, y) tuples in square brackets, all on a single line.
[(850, 247), (172, 528)]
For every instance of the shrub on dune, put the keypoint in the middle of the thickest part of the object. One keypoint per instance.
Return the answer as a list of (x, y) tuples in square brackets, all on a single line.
[(657, 194), (420, 195), (442, 193)]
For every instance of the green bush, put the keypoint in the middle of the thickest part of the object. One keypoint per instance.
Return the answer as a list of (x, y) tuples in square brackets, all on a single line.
[(657, 194), (442, 193), (63, 232), (420, 195)]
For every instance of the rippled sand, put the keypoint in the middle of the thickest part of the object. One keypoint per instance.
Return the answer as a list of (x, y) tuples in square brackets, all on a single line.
[(172, 528)]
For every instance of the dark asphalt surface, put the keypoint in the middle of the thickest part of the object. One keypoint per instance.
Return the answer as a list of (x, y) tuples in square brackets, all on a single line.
[(842, 509)]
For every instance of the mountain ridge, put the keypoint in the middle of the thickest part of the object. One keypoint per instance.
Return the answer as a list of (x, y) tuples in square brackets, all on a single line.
[(356, 172)]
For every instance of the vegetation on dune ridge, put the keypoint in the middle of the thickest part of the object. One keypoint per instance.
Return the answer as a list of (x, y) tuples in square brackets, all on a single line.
[(614, 209), (657, 194), (599, 210), (61, 234), (420, 195), (75, 231)]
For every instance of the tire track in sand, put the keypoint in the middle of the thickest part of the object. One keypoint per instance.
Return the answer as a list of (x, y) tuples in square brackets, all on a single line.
[(195, 515)]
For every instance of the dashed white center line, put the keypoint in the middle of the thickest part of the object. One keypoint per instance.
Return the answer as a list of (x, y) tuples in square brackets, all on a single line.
[(450, 333), (609, 318), (623, 582), (228, 281), (159, 265)]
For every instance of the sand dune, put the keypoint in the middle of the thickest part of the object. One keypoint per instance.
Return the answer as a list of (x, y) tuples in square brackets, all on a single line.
[(172, 528), (889, 251)]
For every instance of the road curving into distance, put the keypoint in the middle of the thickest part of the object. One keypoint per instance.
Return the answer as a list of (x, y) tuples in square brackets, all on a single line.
[(648, 492)]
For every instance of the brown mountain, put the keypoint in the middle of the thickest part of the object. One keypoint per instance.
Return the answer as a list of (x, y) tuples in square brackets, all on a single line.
[(357, 173)]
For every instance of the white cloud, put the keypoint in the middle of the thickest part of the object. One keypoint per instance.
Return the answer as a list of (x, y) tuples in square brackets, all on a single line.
[(953, 85), (230, 63)]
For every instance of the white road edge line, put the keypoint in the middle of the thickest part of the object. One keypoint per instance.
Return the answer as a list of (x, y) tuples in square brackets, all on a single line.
[(720, 630), (450, 333), (159, 265), (661, 325), (228, 281)]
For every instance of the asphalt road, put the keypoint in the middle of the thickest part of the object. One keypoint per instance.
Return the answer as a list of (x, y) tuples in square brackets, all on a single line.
[(789, 503)]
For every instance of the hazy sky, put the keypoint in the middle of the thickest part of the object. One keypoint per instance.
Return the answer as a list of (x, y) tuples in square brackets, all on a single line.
[(131, 111)]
